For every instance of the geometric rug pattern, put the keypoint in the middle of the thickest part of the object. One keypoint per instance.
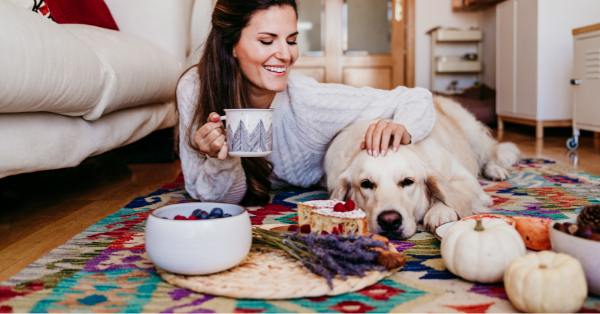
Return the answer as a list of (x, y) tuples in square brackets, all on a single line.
[(106, 269)]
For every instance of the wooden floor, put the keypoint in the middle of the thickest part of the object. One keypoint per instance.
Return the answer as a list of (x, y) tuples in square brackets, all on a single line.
[(41, 211), (553, 146)]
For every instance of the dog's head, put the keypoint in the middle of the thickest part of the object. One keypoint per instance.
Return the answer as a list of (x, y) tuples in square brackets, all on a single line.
[(395, 191)]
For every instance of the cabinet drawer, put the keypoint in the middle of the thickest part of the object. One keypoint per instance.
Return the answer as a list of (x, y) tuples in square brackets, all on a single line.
[(456, 64)]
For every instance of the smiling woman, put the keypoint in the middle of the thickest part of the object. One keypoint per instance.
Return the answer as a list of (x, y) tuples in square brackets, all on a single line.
[(266, 54), (247, 63)]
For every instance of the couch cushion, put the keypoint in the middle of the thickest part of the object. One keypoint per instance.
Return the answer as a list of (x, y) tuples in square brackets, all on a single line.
[(41, 141), (77, 70), (137, 71), (45, 67), (163, 22), (89, 12)]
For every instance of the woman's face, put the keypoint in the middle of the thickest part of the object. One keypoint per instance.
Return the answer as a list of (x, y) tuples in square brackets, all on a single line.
[(267, 48)]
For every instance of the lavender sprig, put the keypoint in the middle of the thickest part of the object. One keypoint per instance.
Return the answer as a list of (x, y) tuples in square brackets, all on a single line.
[(325, 255)]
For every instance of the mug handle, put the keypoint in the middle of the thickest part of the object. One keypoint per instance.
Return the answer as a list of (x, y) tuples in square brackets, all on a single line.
[(223, 118)]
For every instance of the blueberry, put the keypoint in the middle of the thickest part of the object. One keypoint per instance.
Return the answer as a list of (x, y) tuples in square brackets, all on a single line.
[(203, 215), (217, 212), (196, 212), (214, 217), (226, 215)]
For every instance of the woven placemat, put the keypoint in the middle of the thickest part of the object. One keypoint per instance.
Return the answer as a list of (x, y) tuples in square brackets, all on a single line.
[(266, 274)]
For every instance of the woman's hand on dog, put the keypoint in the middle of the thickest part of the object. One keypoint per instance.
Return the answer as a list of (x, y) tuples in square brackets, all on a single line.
[(210, 138), (378, 137)]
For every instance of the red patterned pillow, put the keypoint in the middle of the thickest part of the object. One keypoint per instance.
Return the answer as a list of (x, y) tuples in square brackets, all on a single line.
[(89, 12), (39, 6)]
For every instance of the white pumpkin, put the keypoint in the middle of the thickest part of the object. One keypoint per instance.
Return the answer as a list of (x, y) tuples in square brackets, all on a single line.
[(546, 282), (479, 250)]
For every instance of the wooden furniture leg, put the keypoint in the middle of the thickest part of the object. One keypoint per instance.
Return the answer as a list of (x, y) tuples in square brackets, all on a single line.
[(539, 129), (500, 124)]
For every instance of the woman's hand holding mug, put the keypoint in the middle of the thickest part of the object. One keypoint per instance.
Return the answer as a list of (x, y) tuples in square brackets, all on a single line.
[(210, 138)]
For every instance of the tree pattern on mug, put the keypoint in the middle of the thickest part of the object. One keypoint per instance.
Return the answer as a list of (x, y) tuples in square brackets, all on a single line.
[(260, 140)]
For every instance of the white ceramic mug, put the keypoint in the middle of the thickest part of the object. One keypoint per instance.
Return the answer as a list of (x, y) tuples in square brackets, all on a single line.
[(249, 132)]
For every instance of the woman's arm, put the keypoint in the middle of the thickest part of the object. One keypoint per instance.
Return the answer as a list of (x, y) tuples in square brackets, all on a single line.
[(206, 178), (414, 110), (331, 107)]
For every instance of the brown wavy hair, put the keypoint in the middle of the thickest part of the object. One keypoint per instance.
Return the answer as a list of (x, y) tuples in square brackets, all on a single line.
[(222, 84)]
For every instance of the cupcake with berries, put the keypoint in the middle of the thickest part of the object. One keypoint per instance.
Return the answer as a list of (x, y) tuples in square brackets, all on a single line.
[(332, 216)]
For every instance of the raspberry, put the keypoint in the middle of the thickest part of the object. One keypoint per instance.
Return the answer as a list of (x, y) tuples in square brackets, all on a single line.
[(179, 217), (335, 231), (293, 228), (305, 229), (350, 205), (191, 218), (339, 207), (323, 232), (341, 228)]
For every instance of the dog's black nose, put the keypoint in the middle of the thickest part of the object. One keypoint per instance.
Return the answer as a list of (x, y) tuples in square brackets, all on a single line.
[(389, 220)]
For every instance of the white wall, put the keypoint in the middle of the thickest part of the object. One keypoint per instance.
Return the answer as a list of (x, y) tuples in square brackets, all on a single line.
[(487, 23), (200, 26), (557, 19), (432, 13)]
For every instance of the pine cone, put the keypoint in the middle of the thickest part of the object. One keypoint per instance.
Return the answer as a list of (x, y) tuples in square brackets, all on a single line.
[(589, 215)]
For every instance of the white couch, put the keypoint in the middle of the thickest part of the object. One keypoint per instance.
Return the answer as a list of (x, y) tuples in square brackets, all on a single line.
[(70, 91)]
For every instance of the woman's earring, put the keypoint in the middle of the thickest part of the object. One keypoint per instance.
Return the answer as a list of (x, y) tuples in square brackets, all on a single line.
[(234, 54)]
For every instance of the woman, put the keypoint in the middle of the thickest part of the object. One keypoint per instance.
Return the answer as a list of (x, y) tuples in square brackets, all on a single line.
[(247, 63)]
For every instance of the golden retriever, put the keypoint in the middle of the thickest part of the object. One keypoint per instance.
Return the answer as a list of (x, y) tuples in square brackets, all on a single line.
[(433, 181)]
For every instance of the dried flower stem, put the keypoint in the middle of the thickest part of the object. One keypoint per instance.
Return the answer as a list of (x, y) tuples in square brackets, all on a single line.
[(327, 255)]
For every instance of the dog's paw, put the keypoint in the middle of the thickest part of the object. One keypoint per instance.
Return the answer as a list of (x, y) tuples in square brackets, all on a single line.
[(495, 172), (481, 210), (486, 200), (437, 215)]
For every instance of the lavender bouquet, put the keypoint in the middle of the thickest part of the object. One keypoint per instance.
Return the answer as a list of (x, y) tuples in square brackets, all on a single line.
[(332, 254)]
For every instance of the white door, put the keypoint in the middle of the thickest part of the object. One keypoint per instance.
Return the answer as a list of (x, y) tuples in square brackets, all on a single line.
[(586, 59), (526, 58), (505, 60)]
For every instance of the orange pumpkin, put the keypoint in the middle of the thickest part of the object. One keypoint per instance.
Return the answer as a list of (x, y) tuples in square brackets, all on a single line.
[(534, 232)]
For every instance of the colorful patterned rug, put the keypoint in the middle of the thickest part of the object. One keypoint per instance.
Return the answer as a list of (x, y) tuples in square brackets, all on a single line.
[(106, 269)]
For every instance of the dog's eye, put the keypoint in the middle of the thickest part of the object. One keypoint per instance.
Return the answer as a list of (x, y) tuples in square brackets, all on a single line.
[(366, 184), (407, 182)]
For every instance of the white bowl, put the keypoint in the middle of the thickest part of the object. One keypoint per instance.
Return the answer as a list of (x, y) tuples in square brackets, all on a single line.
[(198, 247), (586, 251)]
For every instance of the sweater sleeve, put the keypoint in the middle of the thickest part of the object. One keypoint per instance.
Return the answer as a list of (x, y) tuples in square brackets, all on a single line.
[(341, 105), (207, 179)]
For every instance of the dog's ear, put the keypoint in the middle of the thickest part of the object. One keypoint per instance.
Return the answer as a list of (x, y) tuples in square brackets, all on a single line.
[(432, 189), (439, 190), (342, 190)]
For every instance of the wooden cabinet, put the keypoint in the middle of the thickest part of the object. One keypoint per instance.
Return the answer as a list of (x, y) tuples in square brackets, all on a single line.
[(586, 73), (534, 53), (348, 52)]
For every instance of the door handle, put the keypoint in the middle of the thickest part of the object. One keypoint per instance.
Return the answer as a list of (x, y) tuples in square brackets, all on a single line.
[(575, 82)]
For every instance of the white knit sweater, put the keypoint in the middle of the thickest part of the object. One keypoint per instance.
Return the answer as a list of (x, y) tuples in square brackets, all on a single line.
[(307, 116)]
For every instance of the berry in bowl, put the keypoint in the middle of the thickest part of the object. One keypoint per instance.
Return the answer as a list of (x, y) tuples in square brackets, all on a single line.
[(581, 242), (198, 238)]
